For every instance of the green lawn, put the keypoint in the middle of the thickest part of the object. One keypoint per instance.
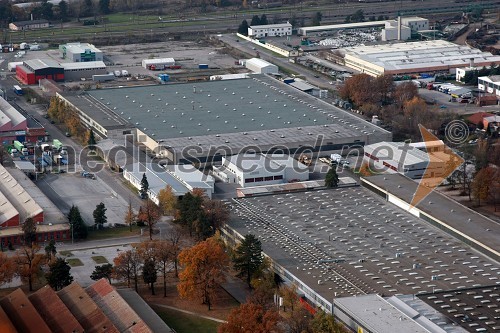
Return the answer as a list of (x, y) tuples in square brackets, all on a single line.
[(73, 262), (66, 253), (185, 323), (100, 260), (113, 233)]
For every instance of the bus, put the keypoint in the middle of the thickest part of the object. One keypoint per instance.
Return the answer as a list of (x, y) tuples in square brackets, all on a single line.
[(18, 90)]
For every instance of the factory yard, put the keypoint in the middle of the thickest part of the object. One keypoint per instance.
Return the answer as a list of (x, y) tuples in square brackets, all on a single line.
[(349, 242)]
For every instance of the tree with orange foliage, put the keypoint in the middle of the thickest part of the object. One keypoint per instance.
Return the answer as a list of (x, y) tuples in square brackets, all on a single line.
[(249, 317), (127, 267), (404, 92), (167, 201), (7, 268), (414, 106), (365, 170), (28, 262), (483, 183), (149, 214), (203, 265)]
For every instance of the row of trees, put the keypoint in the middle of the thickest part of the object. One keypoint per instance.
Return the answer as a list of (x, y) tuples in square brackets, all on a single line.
[(28, 263), (398, 106), (66, 115), (470, 77)]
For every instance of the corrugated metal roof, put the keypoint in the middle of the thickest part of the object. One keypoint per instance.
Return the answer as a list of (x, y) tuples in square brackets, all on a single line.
[(270, 26), (54, 312), (83, 65), (6, 324), (23, 314), (301, 85), (115, 308), (18, 196), (42, 63), (158, 61), (9, 113), (80, 47), (85, 310)]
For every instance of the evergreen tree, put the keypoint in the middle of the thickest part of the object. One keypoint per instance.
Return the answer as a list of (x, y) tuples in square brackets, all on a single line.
[(77, 224), (317, 18), (63, 10), (29, 231), (248, 257), (104, 7), (59, 276), (104, 271), (255, 20), (190, 211), (100, 215), (332, 179), (263, 20), (50, 250), (144, 187), (91, 141), (149, 273), (243, 28)]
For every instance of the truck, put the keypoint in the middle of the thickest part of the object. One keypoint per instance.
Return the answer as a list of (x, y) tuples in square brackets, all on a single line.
[(118, 73), (18, 145), (336, 158), (44, 147), (57, 144), (125, 73)]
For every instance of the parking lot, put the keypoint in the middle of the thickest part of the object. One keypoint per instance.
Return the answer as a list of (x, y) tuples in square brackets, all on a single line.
[(85, 193), (347, 242)]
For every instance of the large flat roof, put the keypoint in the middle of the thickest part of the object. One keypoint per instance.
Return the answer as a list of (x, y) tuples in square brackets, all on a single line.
[(222, 113), (83, 65), (476, 226), (307, 30), (422, 54), (80, 47), (377, 315), (379, 247)]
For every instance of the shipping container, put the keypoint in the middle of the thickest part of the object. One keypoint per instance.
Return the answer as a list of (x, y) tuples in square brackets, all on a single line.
[(202, 66)]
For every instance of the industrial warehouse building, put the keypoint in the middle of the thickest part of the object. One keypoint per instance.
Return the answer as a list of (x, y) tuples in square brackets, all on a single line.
[(200, 123), (80, 52), (489, 84), (412, 160), (15, 126), (353, 241), (259, 169), (28, 25), (158, 63), (415, 57), (20, 199), (97, 308), (31, 71), (259, 66), (400, 29), (270, 30), (74, 71), (181, 179)]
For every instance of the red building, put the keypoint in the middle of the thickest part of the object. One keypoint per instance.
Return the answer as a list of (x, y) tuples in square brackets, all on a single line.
[(31, 71)]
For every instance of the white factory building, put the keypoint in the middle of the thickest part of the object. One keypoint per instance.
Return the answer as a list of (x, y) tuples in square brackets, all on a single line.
[(390, 31), (415, 57), (158, 62), (259, 66), (411, 160), (80, 52), (74, 71), (260, 169), (181, 178), (270, 30), (489, 84)]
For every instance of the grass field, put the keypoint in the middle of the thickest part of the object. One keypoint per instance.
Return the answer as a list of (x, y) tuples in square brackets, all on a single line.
[(66, 253), (100, 260), (113, 233), (185, 323), (73, 262)]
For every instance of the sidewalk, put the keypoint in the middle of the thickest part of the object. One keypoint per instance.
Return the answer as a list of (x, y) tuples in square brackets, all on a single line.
[(189, 312), (236, 288)]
